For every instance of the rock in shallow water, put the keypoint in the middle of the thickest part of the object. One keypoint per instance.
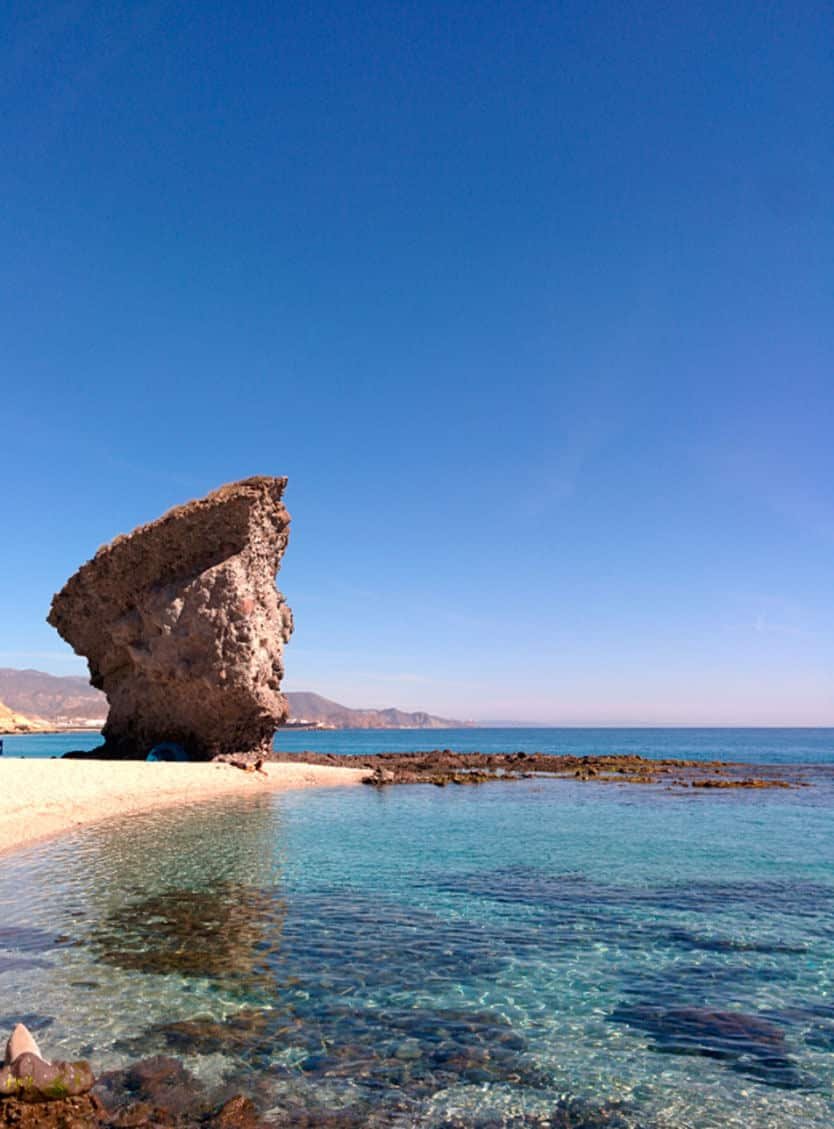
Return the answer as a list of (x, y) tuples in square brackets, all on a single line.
[(183, 628), (71, 1113), (88, 1112), (749, 1044), (20, 1042), (159, 1081), (33, 1080)]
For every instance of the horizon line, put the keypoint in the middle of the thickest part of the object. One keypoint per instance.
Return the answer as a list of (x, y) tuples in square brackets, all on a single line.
[(526, 723)]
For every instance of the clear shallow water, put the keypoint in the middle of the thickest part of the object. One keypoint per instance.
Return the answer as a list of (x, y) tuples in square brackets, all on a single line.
[(756, 746), (423, 956)]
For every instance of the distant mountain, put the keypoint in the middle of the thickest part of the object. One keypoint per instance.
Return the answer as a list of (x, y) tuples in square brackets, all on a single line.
[(304, 705), (60, 700), (71, 699), (13, 722)]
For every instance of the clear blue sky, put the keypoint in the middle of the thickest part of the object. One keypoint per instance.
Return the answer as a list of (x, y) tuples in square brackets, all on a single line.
[(532, 302)]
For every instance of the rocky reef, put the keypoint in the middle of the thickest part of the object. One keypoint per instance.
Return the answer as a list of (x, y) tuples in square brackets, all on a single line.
[(156, 1093), (183, 627), (445, 766)]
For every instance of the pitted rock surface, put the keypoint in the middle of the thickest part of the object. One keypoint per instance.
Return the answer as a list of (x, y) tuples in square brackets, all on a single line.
[(183, 627)]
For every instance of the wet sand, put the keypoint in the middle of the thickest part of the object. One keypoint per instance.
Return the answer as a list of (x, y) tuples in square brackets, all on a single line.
[(42, 798)]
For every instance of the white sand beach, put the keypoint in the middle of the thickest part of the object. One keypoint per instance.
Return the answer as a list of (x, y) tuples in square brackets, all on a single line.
[(42, 798)]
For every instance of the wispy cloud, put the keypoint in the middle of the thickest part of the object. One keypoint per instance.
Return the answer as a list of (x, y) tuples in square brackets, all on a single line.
[(773, 482), (557, 476), (762, 625)]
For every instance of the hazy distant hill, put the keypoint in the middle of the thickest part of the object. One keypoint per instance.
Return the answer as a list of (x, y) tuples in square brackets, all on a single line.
[(46, 695), (13, 722), (72, 698), (313, 707)]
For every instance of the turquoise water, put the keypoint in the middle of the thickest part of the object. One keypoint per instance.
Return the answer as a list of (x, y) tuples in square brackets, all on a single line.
[(596, 955), (757, 746)]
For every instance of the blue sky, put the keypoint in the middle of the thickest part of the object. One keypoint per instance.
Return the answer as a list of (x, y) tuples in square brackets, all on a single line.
[(533, 303)]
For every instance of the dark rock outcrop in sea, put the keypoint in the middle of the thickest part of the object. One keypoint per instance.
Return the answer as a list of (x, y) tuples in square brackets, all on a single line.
[(183, 627), (445, 766)]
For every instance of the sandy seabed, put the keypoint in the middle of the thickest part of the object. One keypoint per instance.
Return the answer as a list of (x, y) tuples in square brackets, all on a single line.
[(41, 798)]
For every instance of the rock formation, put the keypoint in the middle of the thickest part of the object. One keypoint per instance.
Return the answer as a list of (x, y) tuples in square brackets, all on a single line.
[(26, 1075), (158, 1092), (183, 628)]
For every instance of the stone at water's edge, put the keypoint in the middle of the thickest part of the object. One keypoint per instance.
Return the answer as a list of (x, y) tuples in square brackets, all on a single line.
[(33, 1080), (21, 1041), (183, 627), (158, 1092)]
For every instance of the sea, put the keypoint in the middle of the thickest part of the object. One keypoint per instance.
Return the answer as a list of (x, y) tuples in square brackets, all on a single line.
[(752, 746), (535, 952)]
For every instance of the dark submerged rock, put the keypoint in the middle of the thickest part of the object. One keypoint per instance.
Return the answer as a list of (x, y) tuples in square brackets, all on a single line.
[(204, 1035), (703, 1029), (219, 933), (158, 1082), (748, 1043)]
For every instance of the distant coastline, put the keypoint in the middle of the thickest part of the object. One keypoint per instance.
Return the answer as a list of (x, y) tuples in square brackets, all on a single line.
[(68, 703), (64, 703)]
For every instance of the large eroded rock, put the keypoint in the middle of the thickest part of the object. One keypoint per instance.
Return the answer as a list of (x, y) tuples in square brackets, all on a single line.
[(183, 627)]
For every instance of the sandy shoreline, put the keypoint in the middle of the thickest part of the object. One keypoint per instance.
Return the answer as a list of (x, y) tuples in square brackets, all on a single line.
[(42, 798)]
